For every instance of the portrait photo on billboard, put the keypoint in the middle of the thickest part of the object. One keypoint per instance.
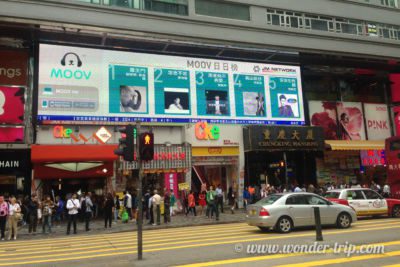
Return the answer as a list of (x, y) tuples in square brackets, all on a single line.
[(288, 105), (176, 101), (253, 104), (323, 114), (350, 121), (133, 99), (217, 102), (12, 103)]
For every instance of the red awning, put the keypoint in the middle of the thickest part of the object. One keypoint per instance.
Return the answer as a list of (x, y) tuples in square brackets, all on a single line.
[(44, 172), (72, 153)]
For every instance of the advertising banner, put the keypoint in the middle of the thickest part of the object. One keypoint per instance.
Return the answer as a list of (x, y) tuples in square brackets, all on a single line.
[(14, 67), (351, 122), (93, 86), (377, 120), (11, 134), (11, 105), (323, 114)]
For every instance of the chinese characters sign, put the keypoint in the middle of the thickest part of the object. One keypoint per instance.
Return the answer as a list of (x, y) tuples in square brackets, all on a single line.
[(373, 157), (283, 138)]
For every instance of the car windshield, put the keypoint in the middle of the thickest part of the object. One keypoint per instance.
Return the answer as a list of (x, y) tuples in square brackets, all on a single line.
[(271, 199), (332, 194)]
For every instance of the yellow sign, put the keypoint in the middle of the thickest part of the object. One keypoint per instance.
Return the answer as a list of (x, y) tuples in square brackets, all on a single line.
[(183, 186), (215, 151)]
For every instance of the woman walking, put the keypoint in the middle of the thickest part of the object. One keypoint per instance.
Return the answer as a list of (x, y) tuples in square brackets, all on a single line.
[(108, 210), (202, 201), (13, 218), (191, 204)]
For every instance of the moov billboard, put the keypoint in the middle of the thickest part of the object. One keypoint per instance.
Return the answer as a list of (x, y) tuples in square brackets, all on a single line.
[(82, 85)]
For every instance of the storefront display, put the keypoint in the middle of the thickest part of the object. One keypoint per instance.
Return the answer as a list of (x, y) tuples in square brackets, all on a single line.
[(15, 171)]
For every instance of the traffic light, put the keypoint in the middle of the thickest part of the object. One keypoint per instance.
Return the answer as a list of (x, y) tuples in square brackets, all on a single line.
[(146, 146), (126, 144)]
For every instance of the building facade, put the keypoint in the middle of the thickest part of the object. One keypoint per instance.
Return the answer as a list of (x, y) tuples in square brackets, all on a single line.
[(346, 55)]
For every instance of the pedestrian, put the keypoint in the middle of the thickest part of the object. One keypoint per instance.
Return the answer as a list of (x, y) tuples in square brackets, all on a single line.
[(211, 203), (14, 215), (150, 205), (156, 200), (167, 204), (246, 197), (59, 214), (88, 209), (202, 201), (191, 203), (73, 206), (108, 210), (220, 198), (34, 213), (128, 203), (386, 190), (47, 207), (4, 211), (117, 206), (146, 208), (184, 199), (232, 199), (172, 201)]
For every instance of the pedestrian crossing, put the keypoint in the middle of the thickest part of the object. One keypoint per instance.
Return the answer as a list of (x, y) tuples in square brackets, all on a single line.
[(184, 240)]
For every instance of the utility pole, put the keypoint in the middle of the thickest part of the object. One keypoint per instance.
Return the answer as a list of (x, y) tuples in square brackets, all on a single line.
[(139, 196)]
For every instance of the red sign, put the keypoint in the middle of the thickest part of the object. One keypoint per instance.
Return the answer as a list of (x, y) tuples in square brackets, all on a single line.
[(11, 105), (11, 134), (167, 156), (373, 157), (14, 67)]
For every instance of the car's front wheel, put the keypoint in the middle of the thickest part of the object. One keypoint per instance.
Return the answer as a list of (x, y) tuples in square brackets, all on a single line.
[(284, 225), (396, 212), (343, 220)]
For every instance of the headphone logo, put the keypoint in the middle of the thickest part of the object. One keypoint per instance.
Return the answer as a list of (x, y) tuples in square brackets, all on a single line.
[(71, 62)]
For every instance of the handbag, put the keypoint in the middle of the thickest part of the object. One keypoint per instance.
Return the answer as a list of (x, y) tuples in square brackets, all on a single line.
[(18, 216)]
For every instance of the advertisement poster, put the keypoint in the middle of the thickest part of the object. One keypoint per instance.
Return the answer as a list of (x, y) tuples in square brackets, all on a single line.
[(396, 113), (284, 97), (14, 67), (377, 121), (351, 124), (93, 86), (249, 95), (11, 134), (323, 114), (11, 105)]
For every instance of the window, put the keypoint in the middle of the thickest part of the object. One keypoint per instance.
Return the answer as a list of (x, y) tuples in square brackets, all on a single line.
[(123, 3), (90, 1), (223, 10), (271, 199), (355, 195), (370, 194), (296, 200), (332, 194), (313, 200), (179, 7)]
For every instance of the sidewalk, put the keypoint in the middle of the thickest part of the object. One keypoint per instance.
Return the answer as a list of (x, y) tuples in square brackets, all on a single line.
[(97, 225)]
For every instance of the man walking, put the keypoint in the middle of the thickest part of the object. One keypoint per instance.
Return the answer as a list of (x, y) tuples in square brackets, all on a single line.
[(88, 210), (73, 206), (128, 203), (156, 207), (167, 202), (220, 198), (211, 203)]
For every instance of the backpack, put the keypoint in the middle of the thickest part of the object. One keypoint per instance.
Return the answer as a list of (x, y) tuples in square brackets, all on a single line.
[(83, 205)]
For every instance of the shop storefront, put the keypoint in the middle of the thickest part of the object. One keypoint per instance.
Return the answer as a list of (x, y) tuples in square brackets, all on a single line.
[(217, 156), (15, 171), (282, 155)]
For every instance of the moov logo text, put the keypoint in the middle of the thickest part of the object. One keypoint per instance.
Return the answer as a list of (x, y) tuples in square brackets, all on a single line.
[(70, 68)]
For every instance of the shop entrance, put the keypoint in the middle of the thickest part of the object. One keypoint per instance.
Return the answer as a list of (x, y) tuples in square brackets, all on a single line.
[(63, 187), (264, 167)]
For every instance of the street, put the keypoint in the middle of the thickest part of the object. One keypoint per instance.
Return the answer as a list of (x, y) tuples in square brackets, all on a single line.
[(211, 245)]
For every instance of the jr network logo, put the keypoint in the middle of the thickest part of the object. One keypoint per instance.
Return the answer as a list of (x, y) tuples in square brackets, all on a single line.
[(71, 64)]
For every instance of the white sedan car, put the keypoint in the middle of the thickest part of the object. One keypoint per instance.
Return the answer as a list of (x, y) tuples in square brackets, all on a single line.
[(283, 212)]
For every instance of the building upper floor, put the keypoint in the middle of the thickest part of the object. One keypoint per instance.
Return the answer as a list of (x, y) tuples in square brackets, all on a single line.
[(364, 28)]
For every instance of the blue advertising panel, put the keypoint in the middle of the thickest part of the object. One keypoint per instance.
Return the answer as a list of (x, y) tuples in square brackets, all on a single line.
[(172, 92), (212, 94), (93, 86), (249, 95)]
